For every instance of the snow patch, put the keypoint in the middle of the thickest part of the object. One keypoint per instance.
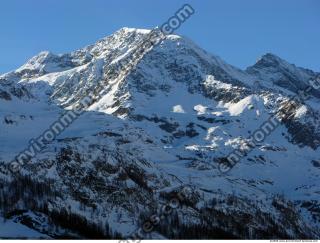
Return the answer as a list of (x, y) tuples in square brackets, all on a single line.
[(200, 109), (178, 109), (251, 102), (302, 110), (10, 229)]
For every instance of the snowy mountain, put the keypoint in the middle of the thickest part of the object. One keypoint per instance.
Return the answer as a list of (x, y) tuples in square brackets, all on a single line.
[(165, 126)]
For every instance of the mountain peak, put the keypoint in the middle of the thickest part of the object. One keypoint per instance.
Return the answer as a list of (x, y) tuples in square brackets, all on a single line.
[(269, 59), (277, 71), (42, 57), (129, 30), (39, 62)]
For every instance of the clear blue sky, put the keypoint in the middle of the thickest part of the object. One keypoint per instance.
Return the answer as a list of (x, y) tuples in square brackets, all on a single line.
[(238, 31)]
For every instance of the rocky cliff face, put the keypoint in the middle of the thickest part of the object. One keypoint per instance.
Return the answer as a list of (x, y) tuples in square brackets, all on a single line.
[(162, 128)]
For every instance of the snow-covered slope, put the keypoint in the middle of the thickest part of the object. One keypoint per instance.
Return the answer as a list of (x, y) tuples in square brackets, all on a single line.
[(167, 125)]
